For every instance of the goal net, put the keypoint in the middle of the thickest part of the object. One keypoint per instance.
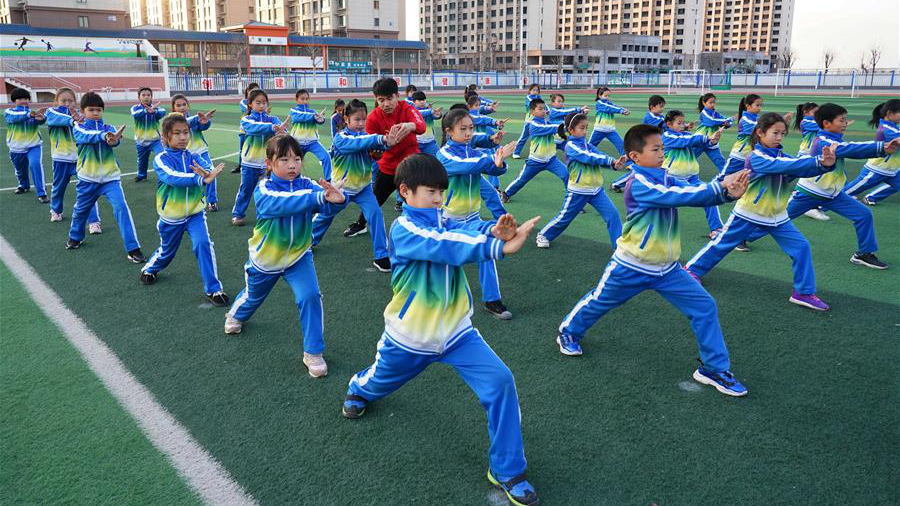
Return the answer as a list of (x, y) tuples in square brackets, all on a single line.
[(690, 81)]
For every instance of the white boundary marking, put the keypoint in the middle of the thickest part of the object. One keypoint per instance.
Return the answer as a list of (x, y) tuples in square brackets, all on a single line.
[(203, 474)]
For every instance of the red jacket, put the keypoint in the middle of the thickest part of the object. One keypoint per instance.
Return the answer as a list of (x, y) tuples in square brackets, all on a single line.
[(380, 123)]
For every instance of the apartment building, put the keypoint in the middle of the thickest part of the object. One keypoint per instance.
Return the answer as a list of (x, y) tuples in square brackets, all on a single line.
[(374, 19), (748, 25), (99, 14)]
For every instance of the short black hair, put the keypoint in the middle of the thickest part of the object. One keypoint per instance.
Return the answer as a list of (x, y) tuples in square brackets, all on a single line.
[(655, 100), (473, 100), (19, 93), (301, 91), (169, 122), (419, 95), (355, 106), (828, 112), (421, 169), (91, 99), (178, 96), (560, 95), (385, 87), (142, 88), (411, 87), (339, 103), (281, 145), (462, 107), (636, 137), (534, 103)]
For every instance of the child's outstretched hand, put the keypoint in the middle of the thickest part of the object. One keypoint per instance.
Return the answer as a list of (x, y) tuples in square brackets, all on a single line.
[(503, 153), (850, 122), (76, 116), (113, 138), (333, 192), (828, 158), (282, 128), (714, 138), (515, 244), (208, 176), (204, 117), (393, 137), (501, 123), (39, 114), (787, 116), (736, 183), (626, 112), (892, 146), (620, 162), (497, 138), (152, 107), (505, 229), (584, 109)]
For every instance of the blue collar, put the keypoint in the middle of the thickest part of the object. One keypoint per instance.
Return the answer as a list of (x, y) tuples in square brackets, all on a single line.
[(769, 151), (302, 107), (351, 132), (831, 135), (431, 216), (93, 124), (655, 173), (750, 115), (175, 152)]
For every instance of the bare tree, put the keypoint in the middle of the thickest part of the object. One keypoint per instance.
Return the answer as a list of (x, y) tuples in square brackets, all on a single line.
[(241, 52), (315, 54), (874, 57), (828, 57), (787, 58)]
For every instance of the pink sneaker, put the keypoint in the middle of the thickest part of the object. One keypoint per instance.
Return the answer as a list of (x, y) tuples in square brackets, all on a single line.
[(810, 301), (94, 228), (696, 277)]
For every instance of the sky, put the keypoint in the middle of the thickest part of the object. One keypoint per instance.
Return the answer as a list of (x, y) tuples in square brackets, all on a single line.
[(818, 24)]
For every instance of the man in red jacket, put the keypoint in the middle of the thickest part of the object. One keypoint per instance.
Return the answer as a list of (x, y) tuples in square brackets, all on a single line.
[(390, 113)]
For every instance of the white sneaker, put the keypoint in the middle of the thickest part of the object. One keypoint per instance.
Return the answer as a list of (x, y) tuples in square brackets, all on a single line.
[(232, 325), (55, 216), (516, 157), (315, 364), (542, 242), (817, 215), (94, 228)]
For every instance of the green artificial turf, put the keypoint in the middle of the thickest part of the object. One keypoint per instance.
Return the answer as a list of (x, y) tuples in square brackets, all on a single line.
[(622, 425)]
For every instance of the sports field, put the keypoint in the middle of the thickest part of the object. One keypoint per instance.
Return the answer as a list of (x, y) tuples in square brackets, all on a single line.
[(622, 425)]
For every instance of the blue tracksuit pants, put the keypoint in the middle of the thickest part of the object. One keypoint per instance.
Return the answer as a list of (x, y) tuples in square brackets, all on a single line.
[(318, 150), (620, 283), (365, 199), (884, 191), (482, 370), (170, 235), (145, 155), (713, 220), (491, 198), (86, 195), (574, 203), (211, 195), (868, 180), (714, 154), (62, 173), (533, 168), (30, 161), (614, 137), (520, 144), (738, 229), (487, 272), (249, 179), (303, 281)]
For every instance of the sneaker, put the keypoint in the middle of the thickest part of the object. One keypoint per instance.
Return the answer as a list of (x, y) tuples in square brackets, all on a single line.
[(817, 214), (55, 216), (715, 233), (568, 345), (810, 301), (615, 189), (138, 179), (869, 260), (355, 229), (696, 277), (724, 382), (497, 310), (136, 256), (382, 264), (237, 221), (147, 278), (398, 206), (503, 197), (236, 170), (517, 489), (43, 199), (94, 228), (542, 242), (20, 190), (869, 202), (315, 364), (232, 325), (516, 157), (743, 246), (354, 406), (212, 207), (73, 244), (218, 299)]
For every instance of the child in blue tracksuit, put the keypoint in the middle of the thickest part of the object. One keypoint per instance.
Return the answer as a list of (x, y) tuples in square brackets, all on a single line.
[(543, 135), (64, 154), (585, 185), (881, 170), (259, 127), (428, 319), (534, 91), (711, 121), (465, 165), (489, 194), (763, 208), (280, 246), (656, 105), (197, 144), (99, 176), (241, 135), (337, 118), (680, 161), (24, 143), (646, 258), (146, 117), (427, 144), (305, 128), (805, 123), (484, 124), (826, 191), (181, 178), (352, 172), (748, 111), (605, 124)]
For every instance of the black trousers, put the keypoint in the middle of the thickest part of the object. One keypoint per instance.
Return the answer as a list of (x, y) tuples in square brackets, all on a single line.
[(383, 187)]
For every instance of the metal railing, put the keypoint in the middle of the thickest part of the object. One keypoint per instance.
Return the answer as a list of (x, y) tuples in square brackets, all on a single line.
[(17, 74), (86, 65)]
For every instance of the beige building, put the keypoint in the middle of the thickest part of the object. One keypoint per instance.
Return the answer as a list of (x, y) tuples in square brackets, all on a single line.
[(748, 25), (158, 13), (96, 14), (371, 19), (181, 14)]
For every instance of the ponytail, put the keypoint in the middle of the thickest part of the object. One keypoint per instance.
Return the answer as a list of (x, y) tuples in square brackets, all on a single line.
[(600, 91), (672, 116), (742, 106), (572, 119), (883, 109), (703, 99), (802, 109)]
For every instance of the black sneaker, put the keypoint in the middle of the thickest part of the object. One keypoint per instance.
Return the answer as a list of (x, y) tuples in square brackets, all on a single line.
[(212, 208), (236, 170), (354, 406), (382, 264), (398, 206), (218, 299), (497, 310), (138, 179), (355, 229), (148, 278), (20, 190), (869, 260), (503, 196), (73, 244), (743, 246), (136, 256), (43, 199)]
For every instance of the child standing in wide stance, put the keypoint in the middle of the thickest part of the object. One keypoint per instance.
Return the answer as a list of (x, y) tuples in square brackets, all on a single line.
[(24, 143), (646, 258), (258, 128), (428, 318), (305, 123), (147, 116), (197, 144), (279, 248)]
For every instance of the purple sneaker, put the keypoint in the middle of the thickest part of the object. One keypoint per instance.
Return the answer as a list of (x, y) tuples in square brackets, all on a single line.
[(810, 301)]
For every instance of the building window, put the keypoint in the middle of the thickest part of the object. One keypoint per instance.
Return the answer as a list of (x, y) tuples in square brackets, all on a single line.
[(376, 4), (82, 21), (111, 17), (376, 22)]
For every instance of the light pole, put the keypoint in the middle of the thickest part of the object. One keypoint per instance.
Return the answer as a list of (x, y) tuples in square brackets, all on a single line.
[(521, 43)]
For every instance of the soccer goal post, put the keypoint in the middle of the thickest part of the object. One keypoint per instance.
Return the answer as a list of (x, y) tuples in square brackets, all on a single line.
[(693, 81), (782, 80)]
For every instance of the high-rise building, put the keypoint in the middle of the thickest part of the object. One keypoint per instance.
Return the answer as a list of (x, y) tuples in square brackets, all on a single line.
[(99, 14), (158, 13), (748, 25), (181, 14), (371, 19)]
